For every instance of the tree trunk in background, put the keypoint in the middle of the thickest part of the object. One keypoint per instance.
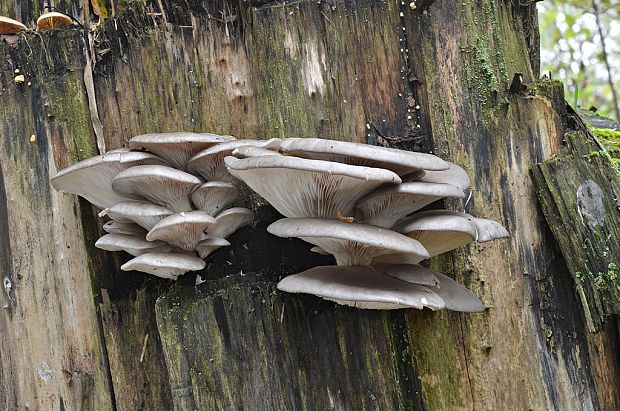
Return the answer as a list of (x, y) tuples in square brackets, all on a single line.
[(78, 333)]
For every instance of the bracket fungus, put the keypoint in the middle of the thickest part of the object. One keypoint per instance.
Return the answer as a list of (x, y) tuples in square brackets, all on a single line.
[(157, 211), (319, 184), (52, 20)]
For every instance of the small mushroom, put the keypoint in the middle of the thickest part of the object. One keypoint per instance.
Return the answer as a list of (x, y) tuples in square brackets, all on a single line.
[(438, 232), (10, 26), (454, 175), (166, 186), (399, 161), (165, 265), (142, 213), (214, 196), (361, 287), (298, 187), (209, 163), (52, 20), (351, 244), (119, 227), (92, 178), (253, 151), (386, 205), (456, 297), (184, 230), (229, 221), (210, 244), (176, 148), (132, 244)]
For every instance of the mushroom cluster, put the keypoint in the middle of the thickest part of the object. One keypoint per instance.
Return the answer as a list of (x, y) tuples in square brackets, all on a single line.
[(359, 203), (166, 197)]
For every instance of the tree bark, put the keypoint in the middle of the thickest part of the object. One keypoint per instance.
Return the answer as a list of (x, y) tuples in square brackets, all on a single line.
[(78, 333)]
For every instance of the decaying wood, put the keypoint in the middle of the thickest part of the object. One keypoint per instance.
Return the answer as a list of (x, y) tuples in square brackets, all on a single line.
[(579, 193), (437, 77)]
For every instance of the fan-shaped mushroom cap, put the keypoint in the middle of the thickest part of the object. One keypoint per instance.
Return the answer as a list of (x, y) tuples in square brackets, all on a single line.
[(161, 185), (52, 20), (438, 232), (253, 151), (399, 161), (413, 274), (209, 163), (299, 187), (92, 178), (386, 205), (184, 230), (134, 245), (454, 175), (229, 221), (210, 244), (120, 227), (214, 196), (361, 287), (350, 243), (177, 148), (10, 26), (142, 213), (119, 150), (166, 265), (457, 297)]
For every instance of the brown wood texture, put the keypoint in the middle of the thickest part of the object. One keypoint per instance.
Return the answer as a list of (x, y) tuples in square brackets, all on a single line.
[(74, 333)]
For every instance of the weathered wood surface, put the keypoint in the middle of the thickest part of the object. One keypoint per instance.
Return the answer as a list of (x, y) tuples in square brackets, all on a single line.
[(579, 192), (344, 70)]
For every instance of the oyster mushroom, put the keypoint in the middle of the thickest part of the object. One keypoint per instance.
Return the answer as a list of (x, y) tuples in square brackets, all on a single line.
[(166, 186), (142, 213), (399, 161), (52, 20), (210, 244), (386, 205), (229, 221), (132, 244), (214, 196), (253, 151), (165, 265), (184, 230), (209, 163), (454, 175), (10, 26), (178, 147), (92, 178), (457, 297), (350, 243), (361, 287), (299, 187), (120, 227)]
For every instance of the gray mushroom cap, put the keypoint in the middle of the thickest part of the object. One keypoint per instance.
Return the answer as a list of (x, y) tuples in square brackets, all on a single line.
[(132, 244), (361, 287), (386, 205), (142, 213), (350, 243), (438, 232), (399, 161), (299, 187), (178, 147), (413, 274), (123, 227), (214, 196), (229, 221), (92, 178), (253, 151), (454, 175), (165, 265), (209, 163), (456, 297), (184, 230), (165, 186), (210, 244)]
